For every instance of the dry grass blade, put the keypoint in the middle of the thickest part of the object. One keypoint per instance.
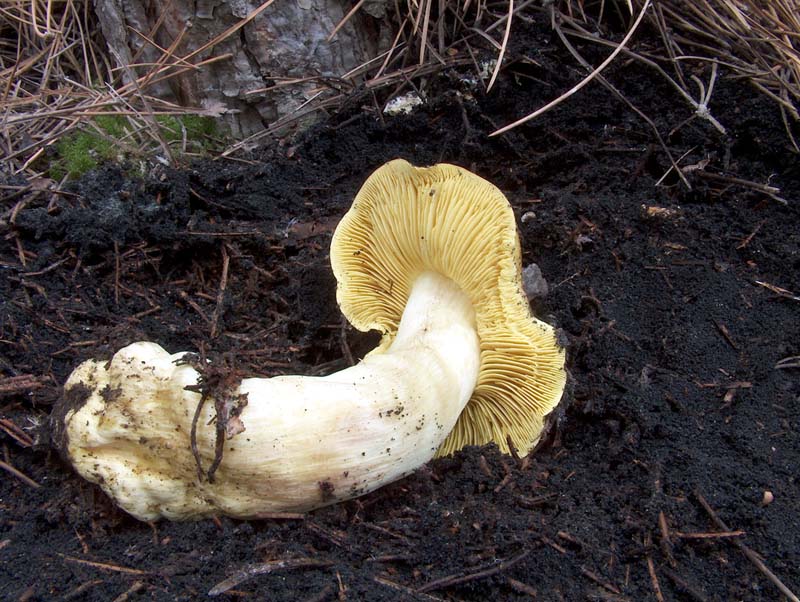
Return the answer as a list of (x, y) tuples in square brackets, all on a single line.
[(425, 24), (103, 566), (788, 362), (580, 85), (503, 46), (620, 96), (757, 40), (230, 31), (395, 45), (254, 570), (20, 475), (147, 115), (53, 57), (333, 101), (481, 573), (750, 554), (749, 39), (345, 19), (50, 83)]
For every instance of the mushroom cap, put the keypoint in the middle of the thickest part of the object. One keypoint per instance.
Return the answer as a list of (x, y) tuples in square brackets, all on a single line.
[(407, 220)]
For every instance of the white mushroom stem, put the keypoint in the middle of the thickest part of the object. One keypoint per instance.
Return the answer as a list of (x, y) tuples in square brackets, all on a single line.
[(307, 441)]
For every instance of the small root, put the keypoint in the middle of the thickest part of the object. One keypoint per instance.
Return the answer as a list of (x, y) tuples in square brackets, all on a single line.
[(218, 381)]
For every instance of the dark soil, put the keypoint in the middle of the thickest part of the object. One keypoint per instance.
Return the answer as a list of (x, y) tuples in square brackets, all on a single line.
[(673, 319)]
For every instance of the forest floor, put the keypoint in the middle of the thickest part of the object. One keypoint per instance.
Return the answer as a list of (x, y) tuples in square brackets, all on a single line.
[(678, 305)]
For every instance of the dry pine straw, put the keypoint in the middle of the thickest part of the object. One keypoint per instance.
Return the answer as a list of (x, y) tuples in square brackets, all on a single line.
[(53, 55)]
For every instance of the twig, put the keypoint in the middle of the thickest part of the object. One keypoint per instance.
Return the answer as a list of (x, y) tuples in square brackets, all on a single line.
[(193, 436), (726, 334), (406, 590), (81, 589), (750, 554), (103, 566), (666, 540), (386, 531), (651, 569), (20, 475), (253, 570), (781, 292), (391, 558), (126, 595), (49, 268), (770, 191), (342, 587), (512, 449), (117, 268), (559, 549), (684, 585), (11, 428), (521, 588), (334, 538), (223, 284), (600, 581), (531, 503), (711, 535), (452, 580), (750, 236), (580, 85), (193, 304)]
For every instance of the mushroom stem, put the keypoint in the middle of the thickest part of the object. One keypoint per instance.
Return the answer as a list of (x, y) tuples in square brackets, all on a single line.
[(306, 441)]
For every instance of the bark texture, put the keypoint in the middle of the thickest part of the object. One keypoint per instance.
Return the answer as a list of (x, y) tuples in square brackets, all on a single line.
[(287, 40)]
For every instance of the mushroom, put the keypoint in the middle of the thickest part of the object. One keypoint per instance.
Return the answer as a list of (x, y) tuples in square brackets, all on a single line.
[(430, 258)]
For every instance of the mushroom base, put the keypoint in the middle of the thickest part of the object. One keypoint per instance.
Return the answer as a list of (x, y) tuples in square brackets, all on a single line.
[(303, 442)]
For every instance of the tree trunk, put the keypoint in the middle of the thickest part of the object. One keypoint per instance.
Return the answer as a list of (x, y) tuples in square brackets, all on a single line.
[(287, 40)]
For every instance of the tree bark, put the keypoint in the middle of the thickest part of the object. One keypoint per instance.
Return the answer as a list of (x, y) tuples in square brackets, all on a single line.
[(287, 40)]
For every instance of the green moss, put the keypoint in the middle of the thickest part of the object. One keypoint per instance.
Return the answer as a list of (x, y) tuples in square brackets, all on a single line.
[(113, 125), (110, 138), (198, 129), (78, 153)]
